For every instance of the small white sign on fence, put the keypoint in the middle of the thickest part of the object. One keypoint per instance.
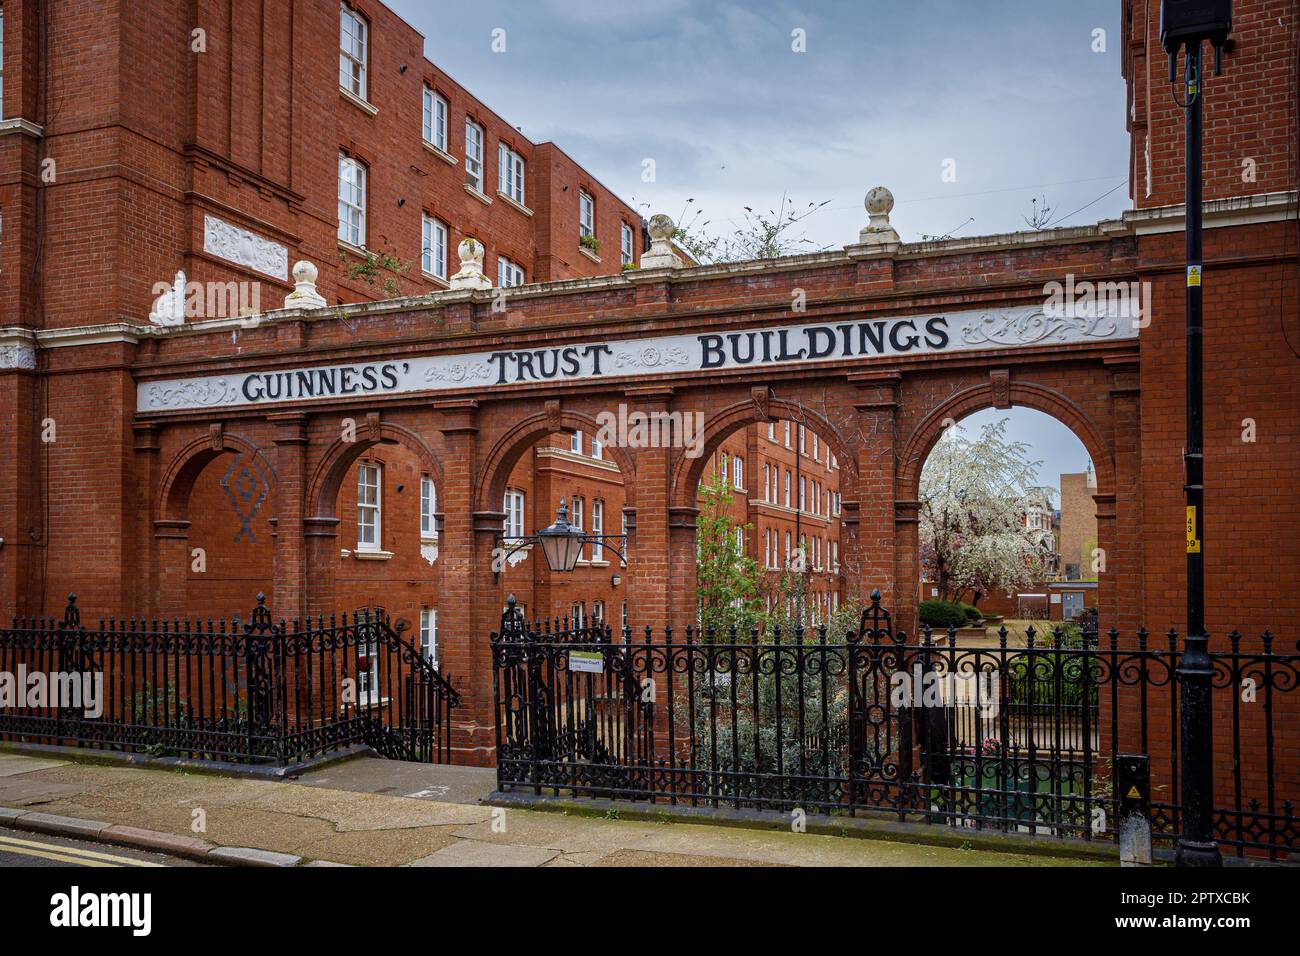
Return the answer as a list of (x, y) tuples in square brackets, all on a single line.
[(587, 662)]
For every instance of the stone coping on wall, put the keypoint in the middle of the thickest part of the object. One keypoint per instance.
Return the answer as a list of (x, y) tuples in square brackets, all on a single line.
[(1266, 207)]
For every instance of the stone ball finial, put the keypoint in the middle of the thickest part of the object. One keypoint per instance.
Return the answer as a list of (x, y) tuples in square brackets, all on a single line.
[(305, 272), (661, 254), (879, 201), (661, 226), (470, 250), (471, 274), (304, 294), (878, 231)]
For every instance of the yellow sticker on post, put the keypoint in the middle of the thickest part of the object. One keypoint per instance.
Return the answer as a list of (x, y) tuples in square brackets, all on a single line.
[(1193, 542)]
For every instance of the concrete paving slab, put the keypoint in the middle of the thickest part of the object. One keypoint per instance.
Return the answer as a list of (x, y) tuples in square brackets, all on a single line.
[(13, 764), (474, 853), (24, 791), (376, 847), (645, 858), (572, 834), (419, 781), (349, 810)]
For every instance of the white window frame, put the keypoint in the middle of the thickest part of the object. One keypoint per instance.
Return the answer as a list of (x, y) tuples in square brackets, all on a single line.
[(370, 513), (434, 127), (513, 505), (352, 201), (586, 213), (354, 42), (509, 273), (787, 487), (738, 473), (597, 529), (428, 507), (575, 442), (627, 249), (787, 433), (429, 634), (597, 449), (474, 155), (433, 246), (623, 560), (598, 612), (510, 173), (577, 614)]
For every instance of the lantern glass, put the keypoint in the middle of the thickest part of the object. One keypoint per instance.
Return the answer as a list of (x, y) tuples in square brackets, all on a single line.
[(561, 542)]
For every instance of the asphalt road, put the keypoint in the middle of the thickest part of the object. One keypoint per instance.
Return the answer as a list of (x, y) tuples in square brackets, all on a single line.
[(20, 848)]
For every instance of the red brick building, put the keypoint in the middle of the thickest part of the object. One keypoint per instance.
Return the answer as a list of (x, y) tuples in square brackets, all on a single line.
[(125, 446)]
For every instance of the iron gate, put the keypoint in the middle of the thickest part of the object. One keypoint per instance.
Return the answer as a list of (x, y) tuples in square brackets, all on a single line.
[(1019, 736)]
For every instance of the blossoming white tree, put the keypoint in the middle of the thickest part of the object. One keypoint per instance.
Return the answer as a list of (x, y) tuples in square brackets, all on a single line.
[(974, 495)]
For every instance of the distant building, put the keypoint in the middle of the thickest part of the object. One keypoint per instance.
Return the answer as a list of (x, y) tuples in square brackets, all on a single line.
[(1078, 535)]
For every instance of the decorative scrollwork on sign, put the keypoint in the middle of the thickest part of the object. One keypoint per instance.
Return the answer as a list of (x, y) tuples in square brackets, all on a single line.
[(201, 392), (651, 356), (458, 372), (1027, 328)]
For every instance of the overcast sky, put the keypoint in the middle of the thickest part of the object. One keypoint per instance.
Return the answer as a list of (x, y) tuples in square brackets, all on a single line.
[(1011, 91)]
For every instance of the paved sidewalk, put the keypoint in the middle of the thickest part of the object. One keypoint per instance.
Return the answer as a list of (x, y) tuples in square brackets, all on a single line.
[(372, 812)]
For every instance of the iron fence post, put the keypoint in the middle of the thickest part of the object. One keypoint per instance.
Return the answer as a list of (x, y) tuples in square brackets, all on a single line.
[(1196, 843)]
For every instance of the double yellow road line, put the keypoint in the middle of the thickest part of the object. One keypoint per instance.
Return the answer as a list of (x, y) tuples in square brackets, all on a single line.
[(65, 854)]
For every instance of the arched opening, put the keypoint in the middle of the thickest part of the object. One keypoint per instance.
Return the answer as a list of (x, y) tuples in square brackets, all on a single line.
[(1007, 526), (376, 502), (577, 461), (770, 539)]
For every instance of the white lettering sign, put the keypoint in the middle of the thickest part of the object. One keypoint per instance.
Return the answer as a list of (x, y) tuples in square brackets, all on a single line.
[(849, 340)]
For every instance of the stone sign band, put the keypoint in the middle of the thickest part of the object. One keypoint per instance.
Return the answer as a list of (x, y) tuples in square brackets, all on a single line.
[(652, 355)]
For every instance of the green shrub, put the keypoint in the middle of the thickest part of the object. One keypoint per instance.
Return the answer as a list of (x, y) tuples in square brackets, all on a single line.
[(942, 614), (972, 612)]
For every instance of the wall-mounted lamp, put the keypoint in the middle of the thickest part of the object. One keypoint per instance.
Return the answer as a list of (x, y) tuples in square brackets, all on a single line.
[(615, 579)]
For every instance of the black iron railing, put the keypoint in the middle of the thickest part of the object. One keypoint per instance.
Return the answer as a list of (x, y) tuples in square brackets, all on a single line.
[(1017, 736), (252, 692)]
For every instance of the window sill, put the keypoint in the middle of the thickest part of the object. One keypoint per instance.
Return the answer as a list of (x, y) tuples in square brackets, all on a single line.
[(354, 250), (589, 254), (428, 539), (361, 554), (367, 108), (517, 205), (481, 197), (363, 700), (600, 563), (438, 281), (442, 154)]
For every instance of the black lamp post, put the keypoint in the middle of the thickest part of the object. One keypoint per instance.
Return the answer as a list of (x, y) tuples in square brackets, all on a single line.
[(1186, 25)]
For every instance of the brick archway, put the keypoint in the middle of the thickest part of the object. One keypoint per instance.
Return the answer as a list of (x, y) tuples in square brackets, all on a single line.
[(926, 434), (172, 503), (169, 558), (687, 468), (1023, 394), (327, 476), (507, 450)]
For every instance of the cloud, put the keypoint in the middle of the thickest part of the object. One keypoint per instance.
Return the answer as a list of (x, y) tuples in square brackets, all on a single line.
[(1010, 90)]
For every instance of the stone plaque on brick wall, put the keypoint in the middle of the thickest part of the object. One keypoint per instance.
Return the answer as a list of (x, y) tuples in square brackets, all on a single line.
[(244, 248)]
